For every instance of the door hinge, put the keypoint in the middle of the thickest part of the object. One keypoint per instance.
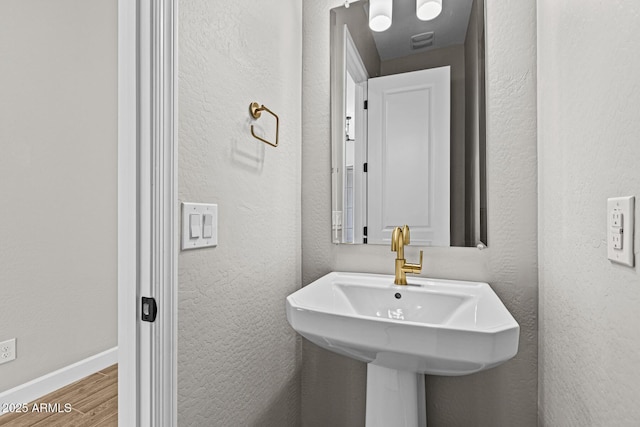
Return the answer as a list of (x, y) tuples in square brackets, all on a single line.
[(149, 309), (365, 167), (364, 235), (366, 104)]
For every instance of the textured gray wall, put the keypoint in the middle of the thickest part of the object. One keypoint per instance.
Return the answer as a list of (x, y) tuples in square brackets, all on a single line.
[(58, 183), (238, 358), (333, 387), (589, 98)]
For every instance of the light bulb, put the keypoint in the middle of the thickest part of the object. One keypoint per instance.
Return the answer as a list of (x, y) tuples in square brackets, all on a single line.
[(427, 10), (380, 12)]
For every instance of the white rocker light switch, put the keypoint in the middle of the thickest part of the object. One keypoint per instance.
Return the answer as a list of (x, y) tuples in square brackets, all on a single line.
[(194, 226), (207, 226)]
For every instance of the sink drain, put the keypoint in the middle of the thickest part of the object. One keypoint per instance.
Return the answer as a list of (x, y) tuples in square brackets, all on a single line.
[(398, 295)]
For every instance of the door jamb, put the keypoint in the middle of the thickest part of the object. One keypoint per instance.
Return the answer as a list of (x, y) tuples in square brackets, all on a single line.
[(147, 211)]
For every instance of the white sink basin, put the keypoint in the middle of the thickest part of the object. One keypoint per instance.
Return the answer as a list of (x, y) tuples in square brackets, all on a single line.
[(441, 327)]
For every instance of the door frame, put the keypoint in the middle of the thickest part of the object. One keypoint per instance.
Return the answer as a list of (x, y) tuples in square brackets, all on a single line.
[(147, 211), (356, 68)]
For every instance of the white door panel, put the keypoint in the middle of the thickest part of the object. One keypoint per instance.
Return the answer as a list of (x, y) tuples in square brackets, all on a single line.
[(409, 151)]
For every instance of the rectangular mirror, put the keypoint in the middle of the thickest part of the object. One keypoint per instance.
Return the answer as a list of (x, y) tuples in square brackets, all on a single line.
[(408, 125)]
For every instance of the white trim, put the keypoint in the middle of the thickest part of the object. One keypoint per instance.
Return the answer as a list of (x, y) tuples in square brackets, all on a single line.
[(360, 179), (147, 211), (158, 243), (354, 65), (53, 381), (353, 60), (128, 334), (144, 208)]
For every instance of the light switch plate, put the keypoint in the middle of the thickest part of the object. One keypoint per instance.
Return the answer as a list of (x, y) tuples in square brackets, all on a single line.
[(193, 214), (620, 229)]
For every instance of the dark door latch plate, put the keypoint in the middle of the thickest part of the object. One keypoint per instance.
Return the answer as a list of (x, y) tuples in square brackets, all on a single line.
[(149, 309)]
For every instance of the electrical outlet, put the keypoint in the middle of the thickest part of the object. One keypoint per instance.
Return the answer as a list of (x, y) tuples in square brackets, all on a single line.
[(620, 229), (7, 350), (617, 240)]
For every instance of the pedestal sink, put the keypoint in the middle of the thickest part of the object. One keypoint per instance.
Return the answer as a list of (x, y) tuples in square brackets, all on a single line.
[(430, 326)]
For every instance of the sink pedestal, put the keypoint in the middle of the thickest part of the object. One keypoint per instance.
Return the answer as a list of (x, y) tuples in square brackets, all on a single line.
[(395, 398)]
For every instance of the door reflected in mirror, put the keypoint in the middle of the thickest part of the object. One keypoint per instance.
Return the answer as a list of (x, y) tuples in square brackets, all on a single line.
[(408, 125)]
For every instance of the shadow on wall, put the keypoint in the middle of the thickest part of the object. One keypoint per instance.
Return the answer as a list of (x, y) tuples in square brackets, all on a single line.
[(249, 157), (281, 407), (338, 379)]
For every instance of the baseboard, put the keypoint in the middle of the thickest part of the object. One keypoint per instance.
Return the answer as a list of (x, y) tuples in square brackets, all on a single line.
[(28, 392)]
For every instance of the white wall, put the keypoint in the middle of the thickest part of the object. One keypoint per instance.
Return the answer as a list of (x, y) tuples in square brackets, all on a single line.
[(58, 174), (333, 387), (238, 358), (589, 99)]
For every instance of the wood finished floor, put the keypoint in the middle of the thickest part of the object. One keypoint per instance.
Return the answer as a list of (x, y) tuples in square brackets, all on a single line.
[(93, 401)]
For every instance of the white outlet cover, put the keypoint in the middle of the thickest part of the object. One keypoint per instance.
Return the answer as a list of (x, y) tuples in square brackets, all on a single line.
[(201, 209), (7, 351), (620, 229)]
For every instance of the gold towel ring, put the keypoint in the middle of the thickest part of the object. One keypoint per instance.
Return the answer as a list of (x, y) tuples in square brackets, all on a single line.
[(256, 111)]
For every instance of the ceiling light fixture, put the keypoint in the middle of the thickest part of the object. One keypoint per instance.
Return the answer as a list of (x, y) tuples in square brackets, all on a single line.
[(427, 10), (380, 12)]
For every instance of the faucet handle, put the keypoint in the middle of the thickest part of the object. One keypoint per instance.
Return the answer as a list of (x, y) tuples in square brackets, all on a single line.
[(413, 268)]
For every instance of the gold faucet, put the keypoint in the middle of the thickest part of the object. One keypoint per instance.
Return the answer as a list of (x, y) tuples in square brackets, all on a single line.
[(399, 238)]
